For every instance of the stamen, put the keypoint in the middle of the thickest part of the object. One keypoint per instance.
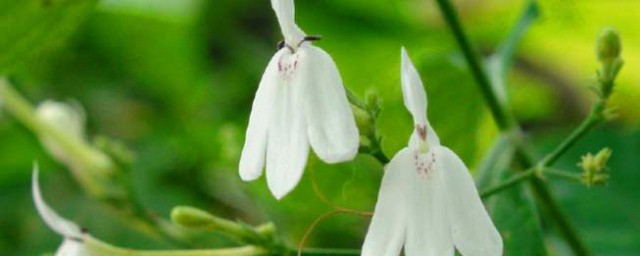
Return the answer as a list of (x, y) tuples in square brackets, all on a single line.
[(310, 39), (283, 44), (422, 132)]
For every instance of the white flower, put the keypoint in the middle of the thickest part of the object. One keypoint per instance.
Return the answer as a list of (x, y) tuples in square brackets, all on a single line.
[(66, 119), (428, 202), (300, 102), (72, 244), (62, 133)]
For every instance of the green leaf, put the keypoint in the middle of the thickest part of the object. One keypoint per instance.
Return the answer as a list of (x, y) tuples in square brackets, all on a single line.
[(605, 216), (29, 26), (513, 210)]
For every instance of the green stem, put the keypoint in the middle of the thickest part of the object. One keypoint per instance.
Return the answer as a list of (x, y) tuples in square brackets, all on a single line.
[(328, 251), (92, 160), (516, 179), (506, 123), (565, 175), (78, 150), (99, 248), (543, 195), (379, 155), (566, 228), (525, 175), (501, 116), (594, 118)]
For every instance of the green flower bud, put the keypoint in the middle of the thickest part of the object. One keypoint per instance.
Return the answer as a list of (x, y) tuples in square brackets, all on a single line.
[(373, 102), (602, 158), (364, 121), (608, 49), (189, 217), (608, 46), (595, 167)]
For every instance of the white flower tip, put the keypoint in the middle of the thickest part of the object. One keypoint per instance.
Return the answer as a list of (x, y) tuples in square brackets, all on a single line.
[(249, 175), (251, 162), (280, 189), (279, 194), (51, 218), (415, 97), (339, 157)]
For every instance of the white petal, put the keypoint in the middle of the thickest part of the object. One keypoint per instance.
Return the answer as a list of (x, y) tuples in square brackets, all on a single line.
[(388, 228), (428, 231), (415, 98), (254, 151), (72, 248), (288, 145), (285, 12), (333, 133), (51, 218), (472, 230)]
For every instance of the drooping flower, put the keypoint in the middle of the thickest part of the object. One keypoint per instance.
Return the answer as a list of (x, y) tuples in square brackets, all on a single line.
[(428, 202), (300, 103), (72, 244)]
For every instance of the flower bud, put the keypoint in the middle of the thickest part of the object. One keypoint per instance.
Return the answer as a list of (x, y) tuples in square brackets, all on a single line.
[(364, 121), (372, 101), (61, 132), (189, 217), (66, 119), (608, 49), (594, 168), (608, 46), (602, 158)]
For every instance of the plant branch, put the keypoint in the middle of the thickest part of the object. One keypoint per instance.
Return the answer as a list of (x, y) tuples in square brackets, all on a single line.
[(507, 124), (101, 248), (330, 251), (93, 184), (501, 116), (516, 179), (595, 117)]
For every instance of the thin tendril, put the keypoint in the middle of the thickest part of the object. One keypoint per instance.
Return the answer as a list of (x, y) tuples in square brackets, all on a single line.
[(310, 229), (336, 209)]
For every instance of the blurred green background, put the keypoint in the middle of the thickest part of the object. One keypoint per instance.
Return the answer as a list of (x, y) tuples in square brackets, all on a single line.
[(174, 80)]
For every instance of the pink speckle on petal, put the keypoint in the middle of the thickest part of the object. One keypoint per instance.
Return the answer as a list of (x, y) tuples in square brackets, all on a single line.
[(287, 66), (424, 164)]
